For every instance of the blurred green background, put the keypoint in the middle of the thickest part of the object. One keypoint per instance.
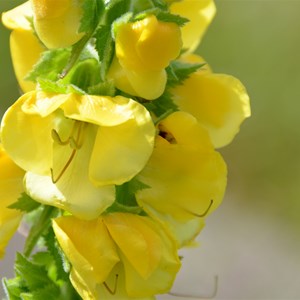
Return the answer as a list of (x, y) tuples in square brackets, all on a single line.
[(252, 243)]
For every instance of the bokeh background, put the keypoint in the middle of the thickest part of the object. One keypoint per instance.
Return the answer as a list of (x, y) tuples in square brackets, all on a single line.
[(252, 243)]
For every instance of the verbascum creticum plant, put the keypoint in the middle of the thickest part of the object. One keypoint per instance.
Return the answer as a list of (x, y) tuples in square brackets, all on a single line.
[(110, 154)]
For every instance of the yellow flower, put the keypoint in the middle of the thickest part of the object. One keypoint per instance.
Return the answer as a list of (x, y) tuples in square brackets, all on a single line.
[(24, 45), (66, 141), (57, 22), (187, 178), (219, 102), (200, 13), (127, 253), (143, 50), (11, 187)]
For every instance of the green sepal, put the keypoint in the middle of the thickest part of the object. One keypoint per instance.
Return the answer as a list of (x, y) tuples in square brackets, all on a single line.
[(162, 105), (92, 13), (105, 47), (25, 203), (164, 16), (178, 71), (49, 292)]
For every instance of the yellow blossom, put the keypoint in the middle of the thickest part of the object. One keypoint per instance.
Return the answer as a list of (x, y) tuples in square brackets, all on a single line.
[(219, 102), (118, 256), (143, 50), (186, 177), (64, 141), (57, 22), (11, 187), (200, 13), (24, 45)]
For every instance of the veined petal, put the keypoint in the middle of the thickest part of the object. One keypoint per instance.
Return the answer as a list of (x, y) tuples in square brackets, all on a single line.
[(27, 137), (120, 152), (200, 13), (184, 177), (17, 18), (88, 246), (149, 255), (11, 187), (72, 191), (43, 103), (219, 102)]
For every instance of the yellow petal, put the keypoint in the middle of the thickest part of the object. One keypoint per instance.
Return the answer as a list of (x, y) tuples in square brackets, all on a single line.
[(148, 85), (11, 187), (24, 45), (137, 240), (120, 152), (114, 287), (27, 137), (200, 13), (184, 175), (17, 18), (219, 102), (149, 255), (25, 51), (57, 22), (99, 110), (88, 246)]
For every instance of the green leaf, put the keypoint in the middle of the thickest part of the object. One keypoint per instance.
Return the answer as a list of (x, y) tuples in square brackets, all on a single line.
[(50, 65), (125, 193), (57, 255), (105, 47), (85, 74), (37, 229), (160, 4), (92, 12), (168, 17), (179, 71), (35, 276), (51, 86), (115, 9), (49, 292), (25, 203), (14, 287), (162, 105), (106, 88)]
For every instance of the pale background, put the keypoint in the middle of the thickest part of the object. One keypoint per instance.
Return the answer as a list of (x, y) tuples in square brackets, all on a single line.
[(252, 243)]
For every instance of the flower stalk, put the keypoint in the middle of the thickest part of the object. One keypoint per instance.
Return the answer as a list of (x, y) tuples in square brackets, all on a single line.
[(111, 150)]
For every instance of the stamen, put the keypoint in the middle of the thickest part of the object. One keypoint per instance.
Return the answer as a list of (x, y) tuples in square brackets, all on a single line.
[(64, 168), (206, 211), (75, 144), (112, 292), (57, 139)]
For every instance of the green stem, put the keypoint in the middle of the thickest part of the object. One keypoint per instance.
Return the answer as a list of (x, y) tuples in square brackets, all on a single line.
[(38, 229)]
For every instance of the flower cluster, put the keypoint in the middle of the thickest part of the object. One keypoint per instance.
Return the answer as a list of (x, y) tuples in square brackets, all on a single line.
[(111, 149)]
